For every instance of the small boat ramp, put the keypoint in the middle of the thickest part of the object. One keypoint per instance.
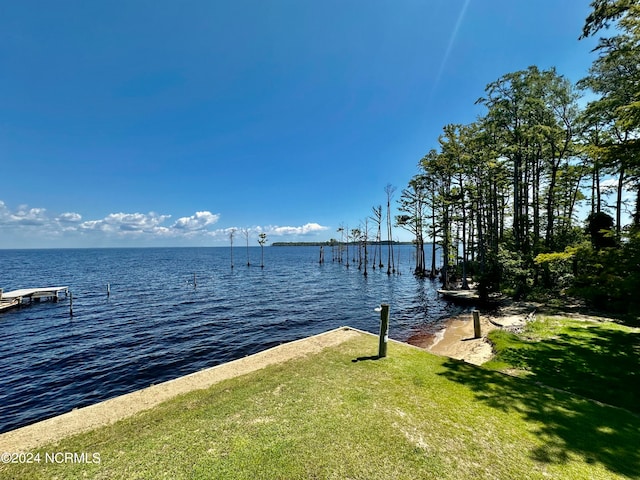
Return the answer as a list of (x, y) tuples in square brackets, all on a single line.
[(23, 296)]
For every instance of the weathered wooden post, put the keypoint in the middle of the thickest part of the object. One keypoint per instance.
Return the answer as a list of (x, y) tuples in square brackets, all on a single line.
[(476, 324), (384, 330), (71, 304), (108, 289), (194, 280)]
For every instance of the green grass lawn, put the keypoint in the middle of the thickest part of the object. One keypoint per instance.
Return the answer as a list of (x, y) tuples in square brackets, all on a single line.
[(411, 416), (599, 360)]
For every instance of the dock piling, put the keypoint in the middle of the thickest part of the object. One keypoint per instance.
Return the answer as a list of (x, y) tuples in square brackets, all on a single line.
[(476, 324), (71, 304), (384, 330)]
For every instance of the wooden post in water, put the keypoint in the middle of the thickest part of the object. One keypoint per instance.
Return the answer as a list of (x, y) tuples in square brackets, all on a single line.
[(476, 324), (71, 304), (108, 289), (194, 280)]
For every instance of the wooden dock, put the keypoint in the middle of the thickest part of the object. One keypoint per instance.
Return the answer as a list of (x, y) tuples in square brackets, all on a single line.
[(460, 296), (23, 296)]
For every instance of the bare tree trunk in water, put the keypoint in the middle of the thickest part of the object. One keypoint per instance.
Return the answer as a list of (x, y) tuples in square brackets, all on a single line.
[(389, 190)]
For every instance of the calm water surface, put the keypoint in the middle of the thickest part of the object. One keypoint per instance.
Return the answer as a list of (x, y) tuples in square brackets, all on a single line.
[(156, 325)]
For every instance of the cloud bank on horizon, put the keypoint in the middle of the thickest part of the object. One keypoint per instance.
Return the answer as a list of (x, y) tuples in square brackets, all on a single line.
[(148, 229)]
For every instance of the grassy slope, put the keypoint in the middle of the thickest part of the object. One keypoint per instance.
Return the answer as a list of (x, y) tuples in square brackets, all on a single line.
[(411, 415), (599, 360)]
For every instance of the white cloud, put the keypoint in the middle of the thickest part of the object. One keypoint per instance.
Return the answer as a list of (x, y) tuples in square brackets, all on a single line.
[(40, 227), (126, 223), (225, 232), (23, 216), (69, 217), (271, 230), (197, 222), (29, 216), (303, 230), (150, 224)]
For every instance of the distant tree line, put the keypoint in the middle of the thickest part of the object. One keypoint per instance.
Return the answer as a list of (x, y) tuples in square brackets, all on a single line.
[(334, 242)]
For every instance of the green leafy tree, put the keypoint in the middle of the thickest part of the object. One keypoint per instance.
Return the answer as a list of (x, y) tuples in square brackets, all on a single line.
[(412, 206), (262, 239), (614, 76), (440, 172), (430, 184)]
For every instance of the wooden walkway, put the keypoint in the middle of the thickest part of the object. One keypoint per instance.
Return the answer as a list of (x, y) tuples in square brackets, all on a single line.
[(23, 296)]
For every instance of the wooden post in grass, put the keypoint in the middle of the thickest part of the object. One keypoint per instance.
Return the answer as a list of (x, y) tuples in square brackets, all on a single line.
[(476, 324), (384, 330)]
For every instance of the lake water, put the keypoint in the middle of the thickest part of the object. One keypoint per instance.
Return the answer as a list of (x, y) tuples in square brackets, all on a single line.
[(155, 325)]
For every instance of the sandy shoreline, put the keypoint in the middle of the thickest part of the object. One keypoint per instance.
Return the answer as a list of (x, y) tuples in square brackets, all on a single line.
[(456, 339)]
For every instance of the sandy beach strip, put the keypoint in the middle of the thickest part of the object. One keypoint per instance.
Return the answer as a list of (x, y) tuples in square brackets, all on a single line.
[(112, 410), (456, 339)]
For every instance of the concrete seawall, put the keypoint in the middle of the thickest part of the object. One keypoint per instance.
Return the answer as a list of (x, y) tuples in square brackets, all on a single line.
[(110, 411)]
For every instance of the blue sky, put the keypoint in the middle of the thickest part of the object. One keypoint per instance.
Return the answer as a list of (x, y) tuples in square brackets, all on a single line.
[(165, 123)]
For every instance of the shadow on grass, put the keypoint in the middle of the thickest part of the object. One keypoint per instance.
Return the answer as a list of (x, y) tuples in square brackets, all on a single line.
[(595, 361), (360, 359), (566, 424)]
